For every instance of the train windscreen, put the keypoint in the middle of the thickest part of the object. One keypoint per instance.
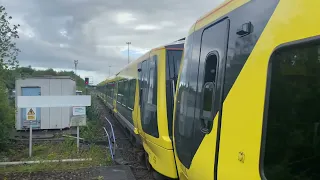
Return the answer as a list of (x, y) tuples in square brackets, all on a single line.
[(172, 71)]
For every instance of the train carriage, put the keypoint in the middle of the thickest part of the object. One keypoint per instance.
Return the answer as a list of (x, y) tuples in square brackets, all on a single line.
[(246, 101), (143, 100), (107, 90), (157, 76)]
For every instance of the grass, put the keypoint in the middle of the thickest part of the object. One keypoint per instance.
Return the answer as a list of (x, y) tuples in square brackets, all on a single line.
[(58, 151), (62, 150), (93, 131)]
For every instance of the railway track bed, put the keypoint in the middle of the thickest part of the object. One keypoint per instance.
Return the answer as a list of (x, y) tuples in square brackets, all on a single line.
[(126, 153)]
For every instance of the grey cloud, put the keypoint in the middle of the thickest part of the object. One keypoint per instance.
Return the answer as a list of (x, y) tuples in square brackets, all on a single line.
[(92, 34)]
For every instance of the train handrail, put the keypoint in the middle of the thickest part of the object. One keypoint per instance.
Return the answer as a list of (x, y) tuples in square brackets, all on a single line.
[(109, 142)]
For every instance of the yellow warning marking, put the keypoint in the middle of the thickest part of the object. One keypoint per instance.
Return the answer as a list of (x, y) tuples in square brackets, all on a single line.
[(31, 118), (31, 112)]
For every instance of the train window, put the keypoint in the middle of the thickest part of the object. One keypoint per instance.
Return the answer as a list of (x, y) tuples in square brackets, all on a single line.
[(149, 105), (132, 91), (208, 92), (292, 139), (111, 90), (183, 127), (107, 90), (143, 78), (115, 90), (144, 81), (172, 70), (173, 64), (120, 92), (125, 93), (140, 82)]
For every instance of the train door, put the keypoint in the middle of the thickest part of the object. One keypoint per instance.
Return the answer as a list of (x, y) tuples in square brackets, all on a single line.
[(197, 115), (149, 97), (173, 60), (143, 76)]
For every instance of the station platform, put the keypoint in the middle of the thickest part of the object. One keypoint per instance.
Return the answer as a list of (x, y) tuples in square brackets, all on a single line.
[(117, 172)]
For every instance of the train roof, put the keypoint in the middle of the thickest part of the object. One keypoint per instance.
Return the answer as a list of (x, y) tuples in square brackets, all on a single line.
[(223, 9), (107, 80), (178, 44)]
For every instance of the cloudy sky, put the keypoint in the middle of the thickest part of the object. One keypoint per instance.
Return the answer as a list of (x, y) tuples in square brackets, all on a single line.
[(54, 33)]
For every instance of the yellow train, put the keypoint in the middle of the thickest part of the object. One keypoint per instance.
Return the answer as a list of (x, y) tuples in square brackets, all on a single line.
[(246, 97), (141, 97)]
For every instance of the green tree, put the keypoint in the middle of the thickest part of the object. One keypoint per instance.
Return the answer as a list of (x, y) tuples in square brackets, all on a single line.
[(6, 117), (47, 72), (25, 71), (8, 62), (8, 49)]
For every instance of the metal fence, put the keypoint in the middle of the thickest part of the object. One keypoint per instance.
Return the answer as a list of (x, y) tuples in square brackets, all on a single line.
[(111, 138)]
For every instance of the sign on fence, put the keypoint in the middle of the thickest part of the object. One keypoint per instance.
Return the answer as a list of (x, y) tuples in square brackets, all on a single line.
[(79, 101), (31, 114), (79, 111), (78, 121)]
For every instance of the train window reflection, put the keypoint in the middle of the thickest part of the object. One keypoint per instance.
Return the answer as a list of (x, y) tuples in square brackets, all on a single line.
[(292, 149), (210, 75)]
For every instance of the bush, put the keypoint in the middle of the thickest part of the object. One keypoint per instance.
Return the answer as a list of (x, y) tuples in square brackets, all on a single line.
[(93, 131), (6, 117), (8, 62)]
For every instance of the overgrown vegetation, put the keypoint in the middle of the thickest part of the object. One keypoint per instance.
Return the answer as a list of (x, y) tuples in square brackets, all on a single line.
[(6, 117), (8, 64), (63, 150), (57, 151), (93, 131)]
